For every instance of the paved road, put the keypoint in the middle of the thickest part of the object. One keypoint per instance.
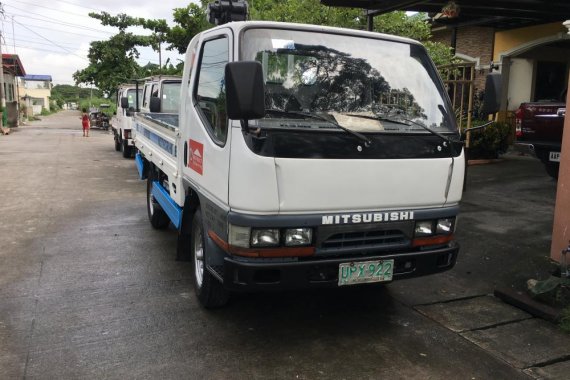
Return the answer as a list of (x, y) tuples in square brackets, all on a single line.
[(89, 290)]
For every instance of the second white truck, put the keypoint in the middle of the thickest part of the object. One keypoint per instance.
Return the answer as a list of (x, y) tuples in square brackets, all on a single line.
[(304, 156)]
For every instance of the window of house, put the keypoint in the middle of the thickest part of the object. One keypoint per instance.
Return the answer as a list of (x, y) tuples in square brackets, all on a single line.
[(211, 91), (550, 81)]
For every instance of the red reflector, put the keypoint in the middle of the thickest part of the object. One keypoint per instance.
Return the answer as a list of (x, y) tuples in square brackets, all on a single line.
[(432, 240)]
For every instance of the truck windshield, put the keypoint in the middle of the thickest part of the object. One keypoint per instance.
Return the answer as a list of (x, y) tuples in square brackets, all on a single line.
[(170, 97), (132, 99), (364, 84)]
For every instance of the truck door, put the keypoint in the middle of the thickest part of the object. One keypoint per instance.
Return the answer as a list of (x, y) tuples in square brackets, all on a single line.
[(203, 119)]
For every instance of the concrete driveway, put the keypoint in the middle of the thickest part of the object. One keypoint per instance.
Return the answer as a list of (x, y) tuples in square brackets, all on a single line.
[(89, 290)]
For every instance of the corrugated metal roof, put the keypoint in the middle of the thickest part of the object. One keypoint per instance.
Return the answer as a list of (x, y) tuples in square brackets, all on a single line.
[(37, 77), (12, 63)]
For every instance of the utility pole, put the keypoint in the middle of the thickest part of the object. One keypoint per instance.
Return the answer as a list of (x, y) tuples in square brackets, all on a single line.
[(2, 92)]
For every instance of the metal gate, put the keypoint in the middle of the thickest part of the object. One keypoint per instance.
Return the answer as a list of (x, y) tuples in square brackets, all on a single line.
[(458, 80)]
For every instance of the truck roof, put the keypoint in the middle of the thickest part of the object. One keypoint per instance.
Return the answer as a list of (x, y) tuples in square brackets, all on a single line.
[(241, 25), (157, 78)]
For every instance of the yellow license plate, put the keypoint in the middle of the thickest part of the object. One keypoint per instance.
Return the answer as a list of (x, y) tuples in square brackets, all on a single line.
[(365, 272)]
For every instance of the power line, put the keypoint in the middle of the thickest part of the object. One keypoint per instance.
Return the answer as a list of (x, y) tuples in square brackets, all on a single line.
[(80, 6), (70, 44), (52, 9), (52, 20), (70, 52), (65, 31), (46, 50)]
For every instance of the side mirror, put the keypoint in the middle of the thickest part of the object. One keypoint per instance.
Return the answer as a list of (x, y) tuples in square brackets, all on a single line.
[(154, 105), (245, 91), (124, 102), (492, 97)]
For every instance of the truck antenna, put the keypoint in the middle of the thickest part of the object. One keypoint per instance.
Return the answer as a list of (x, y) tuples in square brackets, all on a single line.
[(221, 12)]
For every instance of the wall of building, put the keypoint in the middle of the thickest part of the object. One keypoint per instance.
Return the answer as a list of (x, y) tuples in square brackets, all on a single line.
[(38, 93), (474, 42), (520, 82), (510, 39)]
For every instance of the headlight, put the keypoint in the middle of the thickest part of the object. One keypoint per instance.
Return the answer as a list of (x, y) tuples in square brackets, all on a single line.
[(264, 237), (424, 228), (239, 236), (444, 226), (298, 236)]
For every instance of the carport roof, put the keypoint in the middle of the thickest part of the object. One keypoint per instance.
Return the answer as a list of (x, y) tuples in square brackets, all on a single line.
[(502, 14)]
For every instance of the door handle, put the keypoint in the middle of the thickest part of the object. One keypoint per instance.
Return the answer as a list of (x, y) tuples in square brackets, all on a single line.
[(185, 153)]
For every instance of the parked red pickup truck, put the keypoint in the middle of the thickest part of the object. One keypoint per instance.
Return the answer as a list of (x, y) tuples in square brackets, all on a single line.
[(539, 128)]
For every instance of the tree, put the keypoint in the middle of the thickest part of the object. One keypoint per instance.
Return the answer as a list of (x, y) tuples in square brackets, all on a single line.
[(190, 21), (114, 61)]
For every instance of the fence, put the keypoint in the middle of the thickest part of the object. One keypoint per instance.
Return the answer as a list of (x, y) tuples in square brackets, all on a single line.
[(458, 80)]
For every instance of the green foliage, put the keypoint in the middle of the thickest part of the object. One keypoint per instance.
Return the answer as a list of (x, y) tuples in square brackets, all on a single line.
[(96, 103), (69, 93), (307, 12), (189, 22), (489, 142), (112, 62)]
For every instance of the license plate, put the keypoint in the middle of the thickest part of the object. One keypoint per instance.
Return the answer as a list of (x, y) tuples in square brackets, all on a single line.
[(365, 271), (555, 156)]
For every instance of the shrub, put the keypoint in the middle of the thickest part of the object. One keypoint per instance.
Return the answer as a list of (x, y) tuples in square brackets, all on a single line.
[(489, 142)]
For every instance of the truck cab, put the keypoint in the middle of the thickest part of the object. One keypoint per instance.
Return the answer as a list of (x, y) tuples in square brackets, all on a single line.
[(301, 159), (165, 89), (128, 99)]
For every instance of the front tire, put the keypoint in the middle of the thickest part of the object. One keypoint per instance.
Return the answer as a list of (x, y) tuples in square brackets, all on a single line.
[(209, 290), (156, 215), (126, 149), (117, 142)]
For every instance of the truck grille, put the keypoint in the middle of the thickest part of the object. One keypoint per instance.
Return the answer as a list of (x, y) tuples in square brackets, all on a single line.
[(365, 239)]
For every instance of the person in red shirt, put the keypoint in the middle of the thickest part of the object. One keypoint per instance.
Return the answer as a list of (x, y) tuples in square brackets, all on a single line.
[(85, 122)]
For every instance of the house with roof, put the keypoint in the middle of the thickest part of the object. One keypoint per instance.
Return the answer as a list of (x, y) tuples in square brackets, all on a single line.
[(13, 68), (35, 93)]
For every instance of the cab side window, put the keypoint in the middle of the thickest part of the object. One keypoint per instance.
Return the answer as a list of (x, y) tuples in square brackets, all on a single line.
[(146, 96), (211, 90)]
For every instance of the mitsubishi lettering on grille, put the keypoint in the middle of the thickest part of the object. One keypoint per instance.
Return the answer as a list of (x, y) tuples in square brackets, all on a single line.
[(371, 217)]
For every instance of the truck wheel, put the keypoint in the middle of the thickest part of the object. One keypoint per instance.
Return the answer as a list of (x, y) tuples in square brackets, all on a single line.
[(126, 149), (156, 215), (117, 143), (552, 169), (209, 290)]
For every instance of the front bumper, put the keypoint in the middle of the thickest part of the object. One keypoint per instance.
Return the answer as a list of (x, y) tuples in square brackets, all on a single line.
[(323, 273)]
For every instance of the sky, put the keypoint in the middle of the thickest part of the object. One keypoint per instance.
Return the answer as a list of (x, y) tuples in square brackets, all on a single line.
[(52, 38)]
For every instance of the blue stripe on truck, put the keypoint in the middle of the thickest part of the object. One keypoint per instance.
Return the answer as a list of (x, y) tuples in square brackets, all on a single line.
[(161, 142), (170, 207), (140, 166)]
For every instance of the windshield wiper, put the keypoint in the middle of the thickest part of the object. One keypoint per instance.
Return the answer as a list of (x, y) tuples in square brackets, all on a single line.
[(407, 122), (360, 136)]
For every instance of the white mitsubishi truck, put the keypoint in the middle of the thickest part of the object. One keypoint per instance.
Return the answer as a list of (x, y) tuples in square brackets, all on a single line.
[(302, 157), (128, 102)]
